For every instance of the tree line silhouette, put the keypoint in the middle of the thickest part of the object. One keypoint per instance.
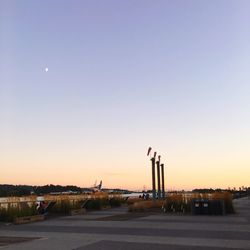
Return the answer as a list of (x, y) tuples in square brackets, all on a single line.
[(22, 190)]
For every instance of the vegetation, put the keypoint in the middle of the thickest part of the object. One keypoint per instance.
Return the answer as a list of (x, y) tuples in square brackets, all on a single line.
[(237, 193), (12, 190), (9, 215), (132, 200), (22, 190), (55, 189), (97, 204), (116, 201), (145, 205), (64, 207), (179, 203), (227, 198)]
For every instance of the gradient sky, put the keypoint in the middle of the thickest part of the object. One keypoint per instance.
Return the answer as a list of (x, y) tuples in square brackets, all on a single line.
[(125, 75)]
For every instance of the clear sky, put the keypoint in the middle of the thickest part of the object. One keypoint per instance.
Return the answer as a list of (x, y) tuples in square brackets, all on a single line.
[(122, 76)]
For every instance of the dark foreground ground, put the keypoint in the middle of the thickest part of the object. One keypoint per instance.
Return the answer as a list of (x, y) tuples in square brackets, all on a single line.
[(115, 229)]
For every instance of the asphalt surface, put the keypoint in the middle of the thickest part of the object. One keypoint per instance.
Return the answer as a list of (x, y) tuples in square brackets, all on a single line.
[(116, 229)]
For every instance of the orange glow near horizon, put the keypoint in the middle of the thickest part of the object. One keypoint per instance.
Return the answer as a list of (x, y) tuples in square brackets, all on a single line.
[(180, 173)]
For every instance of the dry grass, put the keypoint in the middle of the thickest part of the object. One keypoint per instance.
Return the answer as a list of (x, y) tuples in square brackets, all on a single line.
[(100, 195), (177, 203), (141, 206), (199, 196), (10, 214), (227, 198), (181, 203), (132, 200)]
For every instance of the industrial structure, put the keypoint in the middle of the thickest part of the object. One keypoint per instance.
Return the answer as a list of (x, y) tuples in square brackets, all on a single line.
[(159, 169)]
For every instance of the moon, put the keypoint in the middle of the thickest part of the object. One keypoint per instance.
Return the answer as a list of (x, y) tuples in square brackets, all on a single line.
[(46, 69)]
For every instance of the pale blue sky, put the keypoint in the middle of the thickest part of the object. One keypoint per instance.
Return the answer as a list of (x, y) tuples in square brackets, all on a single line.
[(124, 75)]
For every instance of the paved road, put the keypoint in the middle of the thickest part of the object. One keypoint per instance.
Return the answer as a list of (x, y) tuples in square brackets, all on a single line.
[(114, 229)]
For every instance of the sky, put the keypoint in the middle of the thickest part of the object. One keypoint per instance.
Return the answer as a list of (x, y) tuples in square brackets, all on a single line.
[(123, 76)]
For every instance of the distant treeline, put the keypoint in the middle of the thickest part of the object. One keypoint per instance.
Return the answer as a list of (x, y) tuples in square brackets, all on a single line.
[(207, 190), (210, 190), (21, 190), (55, 189), (12, 190)]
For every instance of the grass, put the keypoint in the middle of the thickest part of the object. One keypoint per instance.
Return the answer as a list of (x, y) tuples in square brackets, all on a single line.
[(142, 205), (100, 203), (227, 198), (63, 207), (116, 202), (132, 200), (174, 203), (9, 215), (179, 203)]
